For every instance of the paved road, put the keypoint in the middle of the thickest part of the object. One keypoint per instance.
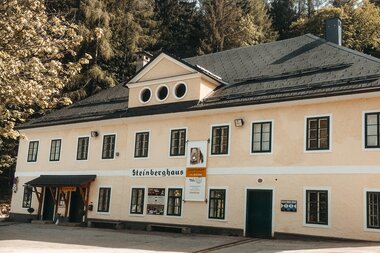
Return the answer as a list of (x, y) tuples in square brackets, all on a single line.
[(40, 238)]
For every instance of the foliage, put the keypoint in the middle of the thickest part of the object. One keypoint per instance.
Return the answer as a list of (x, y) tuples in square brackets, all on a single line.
[(229, 24), (283, 14), (360, 25), (34, 49), (178, 27)]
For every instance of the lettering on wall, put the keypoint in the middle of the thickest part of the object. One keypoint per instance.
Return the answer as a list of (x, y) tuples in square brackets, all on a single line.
[(168, 172)]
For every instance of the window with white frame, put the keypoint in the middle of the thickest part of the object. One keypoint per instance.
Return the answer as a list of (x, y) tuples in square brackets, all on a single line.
[(372, 130), (108, 146), (82, 148), (217, 204), (261, 137), (104, 199), (373, 210), (317, 133), (141, 144), (137, 201), (219, 140), (32, 151), (174, 202), (317, 207), (55, 150), (27, 197), (177, 142)]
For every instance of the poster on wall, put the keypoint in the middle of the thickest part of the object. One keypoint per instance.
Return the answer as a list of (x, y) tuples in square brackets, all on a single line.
[(197, 154), (195, 184), (156, 201)]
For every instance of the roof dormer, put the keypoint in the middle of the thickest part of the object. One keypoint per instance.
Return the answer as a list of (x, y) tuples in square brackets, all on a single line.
[(166, 79)]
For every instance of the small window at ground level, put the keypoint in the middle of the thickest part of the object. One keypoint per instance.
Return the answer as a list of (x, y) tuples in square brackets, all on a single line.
[(317, 137), (373, 210), (180, 90), (27, 197), (55, 150), (137, 201), (177, 142), (317, 207), (104, 199), (174, 202), (217, 200), (261, 137), (82, 149), (32, 151), (372, 130), (108, 146)]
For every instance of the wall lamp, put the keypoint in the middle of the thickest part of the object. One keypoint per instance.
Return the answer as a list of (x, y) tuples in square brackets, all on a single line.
[(239, 122), (94, 133)]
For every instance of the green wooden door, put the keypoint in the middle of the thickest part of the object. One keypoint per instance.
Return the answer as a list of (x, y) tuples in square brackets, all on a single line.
[(48, 209), (259, 213), (76, 207)]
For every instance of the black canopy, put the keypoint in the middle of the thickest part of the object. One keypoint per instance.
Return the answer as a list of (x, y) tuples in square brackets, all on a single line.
[(61, 180)]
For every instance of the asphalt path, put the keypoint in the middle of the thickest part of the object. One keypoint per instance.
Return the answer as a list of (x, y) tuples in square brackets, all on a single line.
[(50, 238)]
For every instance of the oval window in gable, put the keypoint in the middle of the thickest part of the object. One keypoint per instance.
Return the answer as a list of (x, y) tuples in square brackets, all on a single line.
[(180, 90), (145, 95)]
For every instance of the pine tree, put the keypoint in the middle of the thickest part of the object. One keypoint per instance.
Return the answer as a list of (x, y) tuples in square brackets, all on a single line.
[(179, 27), (283, 14)]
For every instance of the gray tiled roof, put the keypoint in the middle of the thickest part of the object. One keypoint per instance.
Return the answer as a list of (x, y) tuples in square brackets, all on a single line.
[(298, 68)]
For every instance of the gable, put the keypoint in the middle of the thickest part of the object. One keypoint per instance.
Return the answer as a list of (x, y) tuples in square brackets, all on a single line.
[(162, 67)]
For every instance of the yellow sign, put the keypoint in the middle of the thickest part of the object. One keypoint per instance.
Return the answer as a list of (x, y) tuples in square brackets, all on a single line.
[(69, 189)]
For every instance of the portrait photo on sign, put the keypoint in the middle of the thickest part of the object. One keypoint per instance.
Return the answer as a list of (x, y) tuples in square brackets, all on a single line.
[(197, 154)]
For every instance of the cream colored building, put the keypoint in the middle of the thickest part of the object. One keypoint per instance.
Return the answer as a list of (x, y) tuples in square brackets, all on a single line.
[(268, 140)]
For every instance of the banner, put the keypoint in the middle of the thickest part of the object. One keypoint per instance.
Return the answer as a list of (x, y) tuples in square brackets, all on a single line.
[(196, 162)]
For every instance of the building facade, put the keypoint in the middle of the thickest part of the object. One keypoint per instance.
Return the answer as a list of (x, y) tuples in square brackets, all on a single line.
[(280, 138)]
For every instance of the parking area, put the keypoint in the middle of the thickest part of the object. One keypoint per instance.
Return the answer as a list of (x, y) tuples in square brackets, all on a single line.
[(41, 238)]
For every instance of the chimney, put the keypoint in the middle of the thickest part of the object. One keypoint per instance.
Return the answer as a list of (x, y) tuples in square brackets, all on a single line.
[(334, 30), (142, 58)]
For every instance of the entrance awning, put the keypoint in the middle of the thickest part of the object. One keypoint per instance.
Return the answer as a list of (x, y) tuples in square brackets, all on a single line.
[(61, 180)]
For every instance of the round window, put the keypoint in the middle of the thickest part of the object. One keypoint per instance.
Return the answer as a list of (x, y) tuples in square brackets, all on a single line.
[(145, 95), (162, 93), (180, 90)]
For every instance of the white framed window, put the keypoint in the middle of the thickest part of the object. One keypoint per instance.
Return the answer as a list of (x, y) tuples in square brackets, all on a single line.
[(32, 151), (220, 139), (174, 203), (55, 150), (217, 203), (317, 207), (318, 133), (162, 92), (82, 148), (108, 149), (104, 199), (262, 137), (371, 210), (180, 90), (177, 142), (137, 200), (141, 144)]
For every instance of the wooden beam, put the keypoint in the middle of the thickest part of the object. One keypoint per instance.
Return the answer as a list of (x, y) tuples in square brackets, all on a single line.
[(86, 202), (39, 197)]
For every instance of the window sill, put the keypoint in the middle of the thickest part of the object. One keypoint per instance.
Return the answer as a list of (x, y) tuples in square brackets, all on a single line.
[(316, 225)]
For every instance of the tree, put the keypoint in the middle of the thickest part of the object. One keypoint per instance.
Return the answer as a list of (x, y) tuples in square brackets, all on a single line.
[(178, 27), (132, 25), (93, 20), (231, 24), (33, 71), (283, 14), (361, 24)]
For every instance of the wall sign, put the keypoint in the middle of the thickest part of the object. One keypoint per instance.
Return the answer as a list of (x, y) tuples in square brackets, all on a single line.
[(288, 205), (165, 172), (196, 161), (156, 201)]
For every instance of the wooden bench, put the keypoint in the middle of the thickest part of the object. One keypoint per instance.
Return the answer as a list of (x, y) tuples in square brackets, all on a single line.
[(168, 228), (105, 224)]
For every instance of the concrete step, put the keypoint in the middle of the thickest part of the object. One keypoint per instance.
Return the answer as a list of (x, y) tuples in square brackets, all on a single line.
[(42, 222)]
